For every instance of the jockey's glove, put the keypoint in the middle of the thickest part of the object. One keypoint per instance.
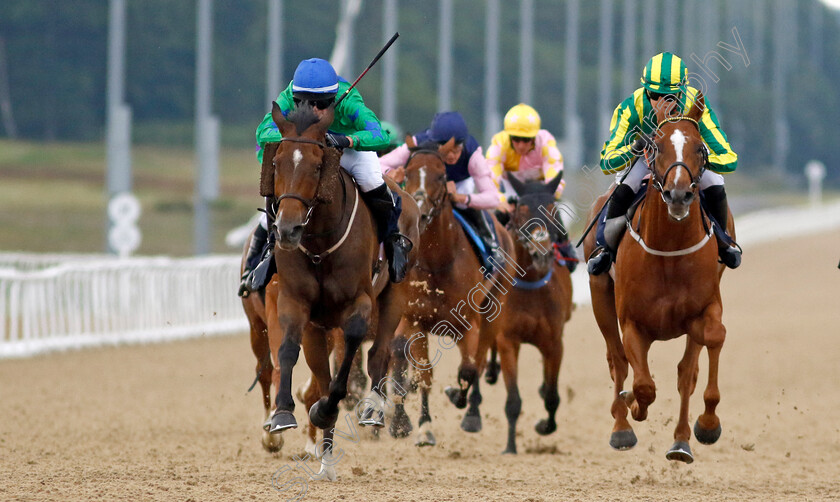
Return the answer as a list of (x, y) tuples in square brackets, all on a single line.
[(644, 142), (338, 140)]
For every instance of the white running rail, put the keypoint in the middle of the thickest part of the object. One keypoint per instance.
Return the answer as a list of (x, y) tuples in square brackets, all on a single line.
[(54, 303)]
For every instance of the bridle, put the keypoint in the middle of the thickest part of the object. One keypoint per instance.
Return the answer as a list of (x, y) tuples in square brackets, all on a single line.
[(309, 204), (527, 242), (436, 203), (658, 181)]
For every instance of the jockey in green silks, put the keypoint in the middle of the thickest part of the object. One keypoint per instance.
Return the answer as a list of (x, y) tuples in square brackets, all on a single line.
[(633, 122)]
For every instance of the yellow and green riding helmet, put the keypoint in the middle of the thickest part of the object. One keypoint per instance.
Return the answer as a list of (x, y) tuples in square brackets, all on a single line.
[(665, 74)]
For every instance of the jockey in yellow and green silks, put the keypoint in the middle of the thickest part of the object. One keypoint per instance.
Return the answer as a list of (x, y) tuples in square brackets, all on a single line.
[(632, 124)]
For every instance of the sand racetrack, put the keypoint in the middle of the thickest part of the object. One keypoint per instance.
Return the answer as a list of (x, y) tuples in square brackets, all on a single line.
[(173, 421)]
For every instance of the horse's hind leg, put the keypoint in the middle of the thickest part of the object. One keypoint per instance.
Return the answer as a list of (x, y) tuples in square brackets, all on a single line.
[(468, 371), (686, 382), (509, 357), (259, 344), (491, 372), (707, 429), (379, 357), (552, 356)]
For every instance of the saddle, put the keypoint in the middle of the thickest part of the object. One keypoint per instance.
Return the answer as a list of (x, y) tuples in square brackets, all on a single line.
[(615, 229), (481, 234)]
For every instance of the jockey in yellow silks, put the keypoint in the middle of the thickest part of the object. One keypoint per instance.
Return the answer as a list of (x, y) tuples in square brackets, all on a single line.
[(633, 122), (526, 151)]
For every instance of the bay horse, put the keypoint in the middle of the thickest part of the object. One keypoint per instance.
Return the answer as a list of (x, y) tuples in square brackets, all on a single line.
[(538, 305), (326, 251), (666, 283), (450, 292)]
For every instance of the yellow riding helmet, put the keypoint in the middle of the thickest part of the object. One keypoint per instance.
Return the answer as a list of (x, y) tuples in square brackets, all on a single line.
[(522, 121)]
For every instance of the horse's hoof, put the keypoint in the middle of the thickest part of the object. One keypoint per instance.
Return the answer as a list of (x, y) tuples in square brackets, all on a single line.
[(627, 396), (372, 418), (425, 438), (282, 420), (623, 440), (706, 436), (680, 451), (319, 417), (272, 443), (400, 424), (456, 397), (491, 374), (471, 423), (510, 450), (544, 427)]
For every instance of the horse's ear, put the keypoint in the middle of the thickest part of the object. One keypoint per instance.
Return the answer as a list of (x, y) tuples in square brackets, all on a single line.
[(552, 185), (409, 141), (517, 185), (699, 107), (447, 147), (279, 119), (267, 170)]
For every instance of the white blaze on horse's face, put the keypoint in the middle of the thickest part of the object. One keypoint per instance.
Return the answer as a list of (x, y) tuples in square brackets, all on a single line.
[(422, 184), (297, 157), (679, 140)]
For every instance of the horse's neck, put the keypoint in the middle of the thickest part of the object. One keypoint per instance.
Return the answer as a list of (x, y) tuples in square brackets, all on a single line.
[(660, 231), (327, 216), (440, 237)]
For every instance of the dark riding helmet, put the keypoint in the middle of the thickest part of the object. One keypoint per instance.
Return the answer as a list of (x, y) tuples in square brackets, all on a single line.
[(448, 125), (315, 79)]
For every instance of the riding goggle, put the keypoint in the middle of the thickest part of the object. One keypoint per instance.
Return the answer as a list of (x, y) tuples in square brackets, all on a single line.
[(321, 104), (521, 139), (458, 142), (653, 96)]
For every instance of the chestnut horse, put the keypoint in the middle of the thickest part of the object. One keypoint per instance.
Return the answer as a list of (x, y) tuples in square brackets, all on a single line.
[(537, 306), (326, 252), (450, 293), (666, 283)]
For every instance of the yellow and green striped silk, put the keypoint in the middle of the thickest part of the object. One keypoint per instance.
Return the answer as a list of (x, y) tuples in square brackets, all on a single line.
[(635, 116)]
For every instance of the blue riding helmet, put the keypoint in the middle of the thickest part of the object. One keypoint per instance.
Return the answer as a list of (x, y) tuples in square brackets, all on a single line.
[(448, 125), (316, 78)]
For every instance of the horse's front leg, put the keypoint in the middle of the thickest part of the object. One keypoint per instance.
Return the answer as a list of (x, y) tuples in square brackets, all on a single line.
[(636, 347), (686, 382), (285, 348), (707, 429), (602, 291), (552, 353), (356, 321)]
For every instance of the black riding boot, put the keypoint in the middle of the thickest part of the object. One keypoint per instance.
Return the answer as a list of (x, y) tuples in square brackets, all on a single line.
[(620, 202), (386, 210), (715, 198), (252, 261)]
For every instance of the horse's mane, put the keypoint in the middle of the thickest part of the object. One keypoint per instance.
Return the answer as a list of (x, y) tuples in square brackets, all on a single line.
[(303, 117), (424, 146)]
